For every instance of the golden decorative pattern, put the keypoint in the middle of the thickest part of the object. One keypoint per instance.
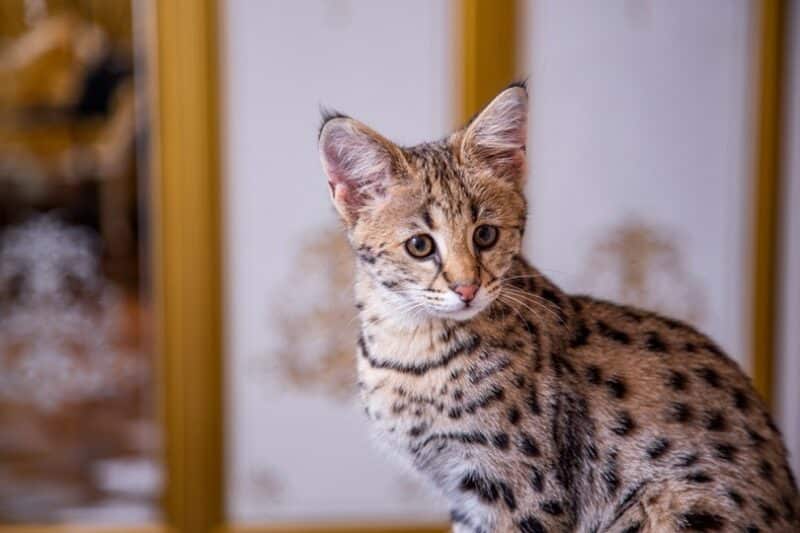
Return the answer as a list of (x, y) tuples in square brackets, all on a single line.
[(319, 300), (640, 264)]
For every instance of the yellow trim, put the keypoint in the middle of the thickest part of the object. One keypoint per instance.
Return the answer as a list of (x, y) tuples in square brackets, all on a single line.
[(766, 194), (83, 528), (487, 53), (187, 262)]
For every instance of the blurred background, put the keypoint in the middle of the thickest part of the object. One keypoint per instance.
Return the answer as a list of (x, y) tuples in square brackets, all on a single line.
[(176, 326)]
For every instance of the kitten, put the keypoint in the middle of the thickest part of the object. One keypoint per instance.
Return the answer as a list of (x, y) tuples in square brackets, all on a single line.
[(533, 410)]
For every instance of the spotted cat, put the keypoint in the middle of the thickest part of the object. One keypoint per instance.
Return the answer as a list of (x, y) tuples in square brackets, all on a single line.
[(531, 409)]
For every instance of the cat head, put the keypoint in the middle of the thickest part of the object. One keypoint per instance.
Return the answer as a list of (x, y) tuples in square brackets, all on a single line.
[(435, 226)]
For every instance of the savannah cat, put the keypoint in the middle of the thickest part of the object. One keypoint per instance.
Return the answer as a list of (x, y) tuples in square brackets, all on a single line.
[(533, 410)]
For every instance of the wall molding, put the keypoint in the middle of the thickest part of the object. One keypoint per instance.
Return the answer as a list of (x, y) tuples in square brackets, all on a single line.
[(766, 194), (187, 260)]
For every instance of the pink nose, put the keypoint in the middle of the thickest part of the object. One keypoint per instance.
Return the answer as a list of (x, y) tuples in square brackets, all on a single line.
[(466, 292)]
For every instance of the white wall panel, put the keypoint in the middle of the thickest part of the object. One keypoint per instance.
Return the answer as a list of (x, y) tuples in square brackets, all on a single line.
[(640, 120), (296, 454)]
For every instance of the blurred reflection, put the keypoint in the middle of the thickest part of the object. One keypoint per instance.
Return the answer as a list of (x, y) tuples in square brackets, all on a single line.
[(79, 439)]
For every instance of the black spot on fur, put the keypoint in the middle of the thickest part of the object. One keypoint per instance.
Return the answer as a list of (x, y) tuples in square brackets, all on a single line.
[(698, 477), (624, 424), (740, 400), (690, 347), (501, 441), (725, 451), (508, 495), (735, 497), (687, 460), (633, 528), (611, 333), (551, 297), (679, 412), (530, 524), (527, 445), (513, 415), (710, 376), (552, 508), (533, 401), (593, 374), (715, 421), (616, 387), (658, 448), (713, 348), (654, 342), (536, 479), (366, 254), (418, 430), (677, 380), (580, 336), (752, 529), (765, 469), (483, 487), (701, 521), (768, 513), (560, 364), (755, 438)]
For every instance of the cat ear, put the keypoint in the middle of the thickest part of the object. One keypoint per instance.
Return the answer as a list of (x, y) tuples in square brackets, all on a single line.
[(497, 136), (359, 163)]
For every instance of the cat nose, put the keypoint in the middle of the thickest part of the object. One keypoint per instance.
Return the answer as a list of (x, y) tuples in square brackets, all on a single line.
[(465, 291)]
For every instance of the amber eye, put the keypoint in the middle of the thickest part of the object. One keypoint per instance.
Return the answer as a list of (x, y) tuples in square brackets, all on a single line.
[(420, 246), (485, 236)]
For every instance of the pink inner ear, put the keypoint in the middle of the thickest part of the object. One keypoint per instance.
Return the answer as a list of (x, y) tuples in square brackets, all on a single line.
[(340, 193)]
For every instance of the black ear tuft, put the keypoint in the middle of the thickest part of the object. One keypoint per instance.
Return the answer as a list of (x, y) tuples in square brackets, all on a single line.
[(522, 84), (328, 114)]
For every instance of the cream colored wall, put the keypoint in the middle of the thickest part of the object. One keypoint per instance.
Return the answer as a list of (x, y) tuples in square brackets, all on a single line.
[(295, 453), (639, 139), (788, 363)]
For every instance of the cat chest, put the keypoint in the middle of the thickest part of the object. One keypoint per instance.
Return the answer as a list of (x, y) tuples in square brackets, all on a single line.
[(427, 429)]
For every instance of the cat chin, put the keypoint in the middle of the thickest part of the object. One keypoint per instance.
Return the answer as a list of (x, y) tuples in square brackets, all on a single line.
[(466, 313)]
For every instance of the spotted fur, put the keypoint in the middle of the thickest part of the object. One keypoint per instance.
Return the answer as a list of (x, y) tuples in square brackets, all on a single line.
[(534, 410)]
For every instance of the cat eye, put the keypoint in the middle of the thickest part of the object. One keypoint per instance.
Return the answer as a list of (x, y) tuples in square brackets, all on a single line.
[(420, 246), (485, 236)]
